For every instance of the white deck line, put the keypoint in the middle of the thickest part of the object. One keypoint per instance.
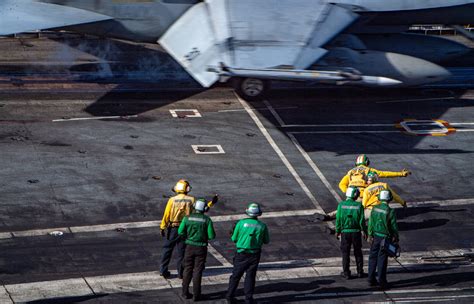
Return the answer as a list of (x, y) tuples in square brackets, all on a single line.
[(148, 281), (315, 168), (274, 113), (282, 156), (218, 256), (337, 125), (386, 292), (344, 132), (421, 99), (217, 218), (259, 109), (93, 118)]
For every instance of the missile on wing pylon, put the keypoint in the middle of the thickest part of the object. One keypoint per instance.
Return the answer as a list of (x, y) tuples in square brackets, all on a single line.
[(337, 77)]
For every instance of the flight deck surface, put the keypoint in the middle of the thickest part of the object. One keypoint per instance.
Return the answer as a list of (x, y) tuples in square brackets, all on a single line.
[(95, 163)]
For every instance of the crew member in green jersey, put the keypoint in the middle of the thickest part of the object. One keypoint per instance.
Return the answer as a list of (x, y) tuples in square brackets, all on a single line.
[(382, 226), (197, 230), (249, 235), (350, 223)]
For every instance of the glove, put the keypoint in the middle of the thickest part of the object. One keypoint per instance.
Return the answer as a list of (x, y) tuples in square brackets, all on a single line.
[(338, 236), (395, 239), (364, 235), (162, 232), (405, 204), (406, 172), (214, 200)]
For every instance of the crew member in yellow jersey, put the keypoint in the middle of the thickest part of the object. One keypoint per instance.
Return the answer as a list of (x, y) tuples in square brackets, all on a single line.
[(176, 209), (371, 194), (357, 176)]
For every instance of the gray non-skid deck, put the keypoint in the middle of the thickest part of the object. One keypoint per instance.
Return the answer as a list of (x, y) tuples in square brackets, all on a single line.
[(57, 172)]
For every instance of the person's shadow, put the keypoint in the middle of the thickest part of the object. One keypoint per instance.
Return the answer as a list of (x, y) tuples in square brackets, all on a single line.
[(292, 291)]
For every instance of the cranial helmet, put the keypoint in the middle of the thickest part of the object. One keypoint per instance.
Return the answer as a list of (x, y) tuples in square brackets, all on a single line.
[(353, 193), (362, 160), (374, 177), (201, 205), (253, 210), (182, 186), (385, 196)]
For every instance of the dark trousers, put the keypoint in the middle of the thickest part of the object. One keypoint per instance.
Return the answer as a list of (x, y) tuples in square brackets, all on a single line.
[(349, 239), (377, 261), (248, 263), (172, 240), (194, 262)]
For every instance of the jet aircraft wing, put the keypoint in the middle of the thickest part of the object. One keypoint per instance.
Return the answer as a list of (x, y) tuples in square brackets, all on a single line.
[(22, 16), (246, 34)]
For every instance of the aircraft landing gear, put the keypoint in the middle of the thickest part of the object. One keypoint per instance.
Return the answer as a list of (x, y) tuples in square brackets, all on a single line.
[(250, 88)]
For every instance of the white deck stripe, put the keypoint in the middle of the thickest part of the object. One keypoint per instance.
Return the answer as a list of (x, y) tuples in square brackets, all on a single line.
[(338, 125), (5, 296), (388, 292), (315, 168), (48, 289), (147, 281), (274, 113), (218, 256), (93, 118), (280, 154), (259, 109), (410, 100), (217, 218), (437, 297), (441, 203), (343, 132)]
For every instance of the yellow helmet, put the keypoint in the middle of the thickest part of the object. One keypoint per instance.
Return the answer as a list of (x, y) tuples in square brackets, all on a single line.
[(182, 186)]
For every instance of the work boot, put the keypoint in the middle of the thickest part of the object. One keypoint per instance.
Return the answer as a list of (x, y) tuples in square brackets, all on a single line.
[(361, 275), (384, 285), (346, 275), (231, 300), (197, 298), (187, 295), (166, 274), (372, 282)]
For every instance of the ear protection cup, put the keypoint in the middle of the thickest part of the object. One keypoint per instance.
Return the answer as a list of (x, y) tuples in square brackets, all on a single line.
[(182, 186)]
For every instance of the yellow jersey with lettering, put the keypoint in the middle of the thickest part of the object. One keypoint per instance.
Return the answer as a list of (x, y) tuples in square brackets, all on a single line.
[(176, 209), (371, 195), (357, 177)]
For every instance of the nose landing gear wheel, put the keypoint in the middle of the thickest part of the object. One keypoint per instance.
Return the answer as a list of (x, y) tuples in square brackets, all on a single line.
[(251, 88)]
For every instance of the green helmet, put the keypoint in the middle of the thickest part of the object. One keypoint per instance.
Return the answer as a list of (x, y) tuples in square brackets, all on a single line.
[(352, 193), (372, 176), (385, 196), (362, 160), (253, 210)]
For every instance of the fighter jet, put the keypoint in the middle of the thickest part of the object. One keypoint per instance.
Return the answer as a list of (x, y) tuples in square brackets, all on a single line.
[(252, 42)]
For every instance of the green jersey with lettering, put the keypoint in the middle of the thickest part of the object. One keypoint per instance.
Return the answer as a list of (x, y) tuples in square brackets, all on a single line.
[(350, 217), (249, 235), (197, 229), (383, 222)]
